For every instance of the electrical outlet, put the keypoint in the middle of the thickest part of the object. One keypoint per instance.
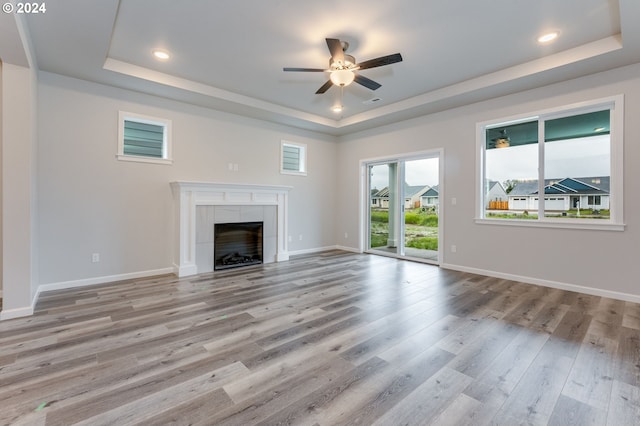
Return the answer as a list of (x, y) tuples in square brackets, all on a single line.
[(300, 237), (454, 249), (454, 201), (290, 239), (95, 257), (346, 235)]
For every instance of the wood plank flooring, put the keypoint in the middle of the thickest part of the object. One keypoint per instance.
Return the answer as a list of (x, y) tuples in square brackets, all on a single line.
[(334, 338)]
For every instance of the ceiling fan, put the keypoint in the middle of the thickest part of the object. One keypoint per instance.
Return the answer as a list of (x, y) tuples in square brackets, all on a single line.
[(343, 67)]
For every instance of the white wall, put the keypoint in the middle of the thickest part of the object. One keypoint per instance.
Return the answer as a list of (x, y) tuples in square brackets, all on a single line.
[(19, 227), (601, 261), (89, 202)]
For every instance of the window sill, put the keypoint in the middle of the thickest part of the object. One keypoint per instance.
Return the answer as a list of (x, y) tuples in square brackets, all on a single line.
[(133, 158), (528, 223), (291, 172)]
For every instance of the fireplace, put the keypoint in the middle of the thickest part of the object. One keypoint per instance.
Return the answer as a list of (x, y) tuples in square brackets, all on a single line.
[(237, 244), (200, 205)]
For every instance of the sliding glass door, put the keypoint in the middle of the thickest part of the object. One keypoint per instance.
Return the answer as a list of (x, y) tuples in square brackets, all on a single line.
[(383, 215), (403, 207)]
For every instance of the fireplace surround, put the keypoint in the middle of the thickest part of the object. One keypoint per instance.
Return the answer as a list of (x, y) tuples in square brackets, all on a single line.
[(205, 203)]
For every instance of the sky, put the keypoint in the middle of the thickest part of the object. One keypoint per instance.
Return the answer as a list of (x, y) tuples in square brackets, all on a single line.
[(582, 157), (417, 172)]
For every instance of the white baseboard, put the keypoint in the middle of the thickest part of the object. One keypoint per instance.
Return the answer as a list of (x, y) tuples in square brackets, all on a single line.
[(351, 249), (321, 249), (102, 280), (16, 313), (25, 311), (312, 250), (547, 283)]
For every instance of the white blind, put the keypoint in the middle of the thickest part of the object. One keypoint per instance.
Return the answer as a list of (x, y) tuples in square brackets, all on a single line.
[(143, 139), (291, 158)]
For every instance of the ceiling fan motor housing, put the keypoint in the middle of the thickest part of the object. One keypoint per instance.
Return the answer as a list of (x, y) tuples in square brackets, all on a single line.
[(349, 63)]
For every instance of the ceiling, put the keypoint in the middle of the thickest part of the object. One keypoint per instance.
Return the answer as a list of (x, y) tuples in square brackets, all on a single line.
[(229, 55)]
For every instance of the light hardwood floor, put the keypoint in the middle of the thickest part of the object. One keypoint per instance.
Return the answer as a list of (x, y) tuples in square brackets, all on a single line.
[(328, 339)]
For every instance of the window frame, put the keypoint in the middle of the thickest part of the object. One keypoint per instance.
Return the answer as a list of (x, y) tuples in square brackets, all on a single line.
[(302, 149), (616, 220), (145, 119)]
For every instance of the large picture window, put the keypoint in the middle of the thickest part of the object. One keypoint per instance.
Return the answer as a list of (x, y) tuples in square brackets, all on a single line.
[(560, 167)]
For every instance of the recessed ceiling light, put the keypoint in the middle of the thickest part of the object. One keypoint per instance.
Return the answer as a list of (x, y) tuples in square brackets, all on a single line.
[(548, 37), (160, 54), (337, 108)]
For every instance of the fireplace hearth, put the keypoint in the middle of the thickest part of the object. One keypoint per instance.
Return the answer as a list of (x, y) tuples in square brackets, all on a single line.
[(237, 244)]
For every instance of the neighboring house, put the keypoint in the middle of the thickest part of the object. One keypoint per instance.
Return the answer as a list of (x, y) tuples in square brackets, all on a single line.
[(375, 200), (562, 194), (430, 198), (412, 197), (380, 199), (495, 194)]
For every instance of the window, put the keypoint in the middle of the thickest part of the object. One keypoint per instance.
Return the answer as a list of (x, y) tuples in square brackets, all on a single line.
[(571, 155), (594, 200), (144, 139), (293, 158)]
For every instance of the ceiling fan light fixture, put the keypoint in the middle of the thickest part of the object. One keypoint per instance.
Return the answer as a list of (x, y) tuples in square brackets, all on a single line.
[(348, 62), (342, 77), (502, 141)]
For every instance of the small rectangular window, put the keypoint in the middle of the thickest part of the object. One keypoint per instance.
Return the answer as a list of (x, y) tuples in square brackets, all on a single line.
[(144, 139), (293, 158)]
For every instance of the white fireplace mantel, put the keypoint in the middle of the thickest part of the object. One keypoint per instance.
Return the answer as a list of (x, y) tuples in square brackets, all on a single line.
[(188, 195)]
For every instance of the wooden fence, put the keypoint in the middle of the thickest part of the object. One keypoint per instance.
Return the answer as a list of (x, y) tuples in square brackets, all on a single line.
[(498, 205)]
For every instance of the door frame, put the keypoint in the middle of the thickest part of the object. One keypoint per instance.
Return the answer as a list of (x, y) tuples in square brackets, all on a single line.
[(364, 196)]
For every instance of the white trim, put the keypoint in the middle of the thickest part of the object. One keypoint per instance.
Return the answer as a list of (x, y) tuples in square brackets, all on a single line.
[(302, 150), (21, 312), (156, 121), (104, 279), (29, 310), (593, 225), (312, 250), (140, 159), (17, 312), (322, 249), (350, 249), (364, 193), (616, 131), (188, 195), (546, 283)]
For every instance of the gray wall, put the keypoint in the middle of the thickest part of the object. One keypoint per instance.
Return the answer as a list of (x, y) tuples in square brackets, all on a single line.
[(89, 202), (601, 260), (19, 214)]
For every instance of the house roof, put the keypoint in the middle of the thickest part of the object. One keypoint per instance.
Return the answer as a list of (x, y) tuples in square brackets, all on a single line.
[(409, 191), (432, 192), (598, 185)]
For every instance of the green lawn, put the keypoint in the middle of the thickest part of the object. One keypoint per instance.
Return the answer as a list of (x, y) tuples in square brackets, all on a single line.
[(421, 229)]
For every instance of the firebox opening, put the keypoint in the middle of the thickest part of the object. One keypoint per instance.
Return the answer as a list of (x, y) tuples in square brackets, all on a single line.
[(237, 244)]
